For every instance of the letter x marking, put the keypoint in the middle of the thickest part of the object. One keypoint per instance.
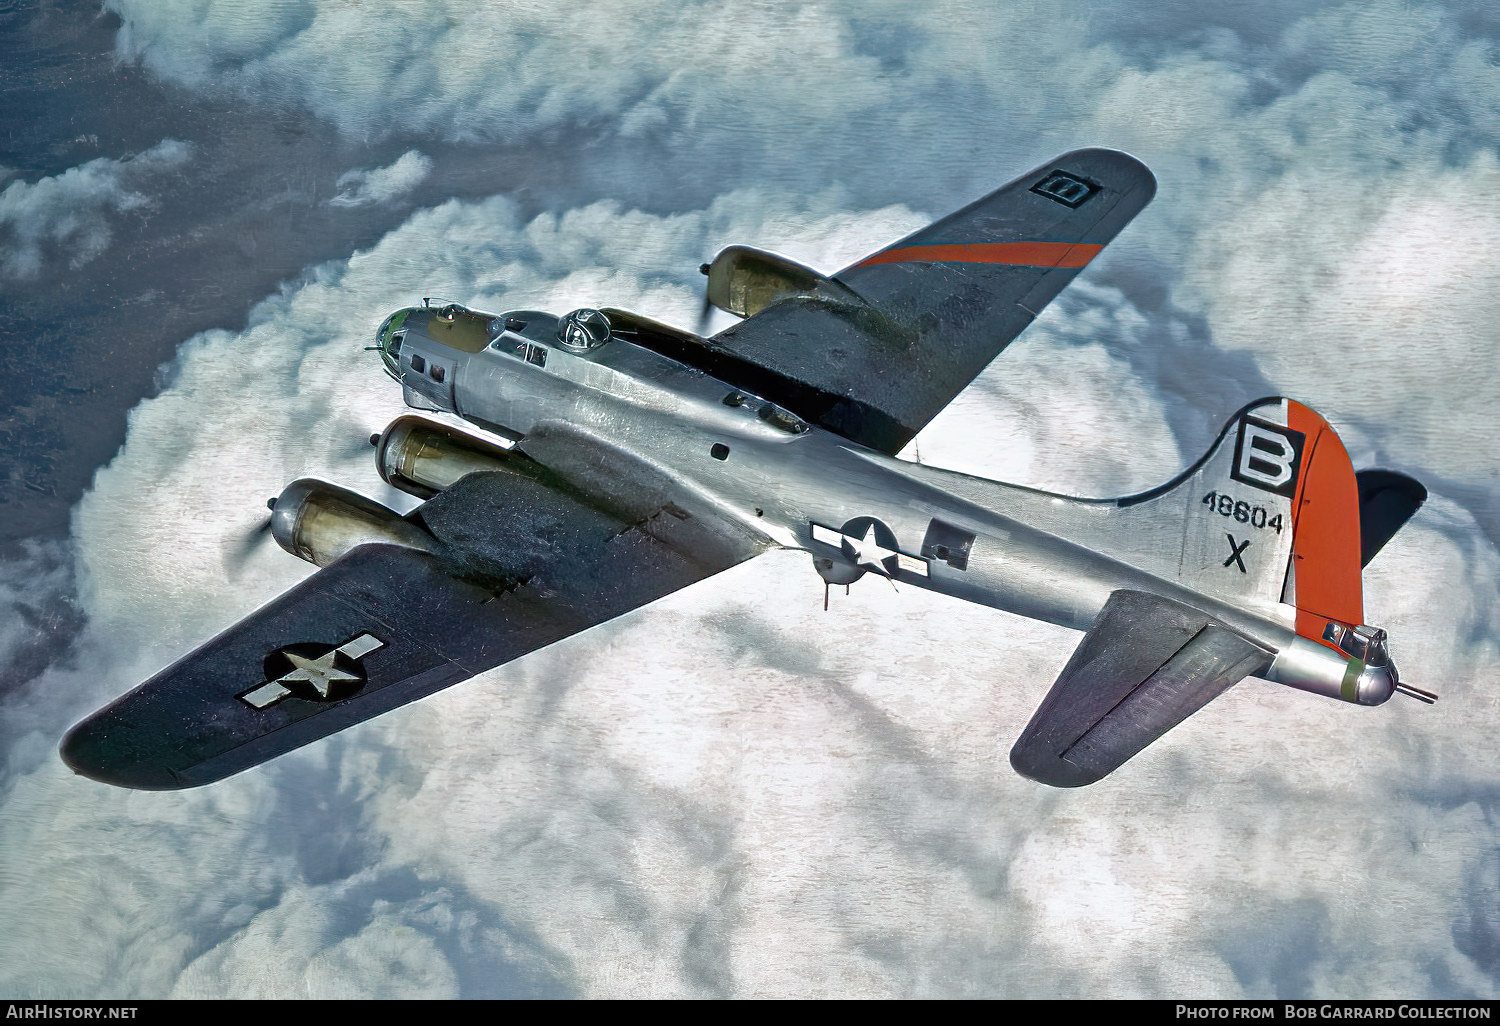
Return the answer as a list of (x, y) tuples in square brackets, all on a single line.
[(1235, 548)]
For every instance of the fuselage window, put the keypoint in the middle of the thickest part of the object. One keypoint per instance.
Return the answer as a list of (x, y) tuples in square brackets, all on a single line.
[(536, 354), (417, 363), (436, 373)]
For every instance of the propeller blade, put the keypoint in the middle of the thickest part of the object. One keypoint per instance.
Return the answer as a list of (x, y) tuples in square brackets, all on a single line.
[(248, 544), (707, 311), (704, 316)]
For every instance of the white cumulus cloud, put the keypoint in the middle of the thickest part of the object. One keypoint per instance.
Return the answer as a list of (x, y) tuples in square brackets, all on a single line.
[(361, 186), (1310, 136), (71, 213)]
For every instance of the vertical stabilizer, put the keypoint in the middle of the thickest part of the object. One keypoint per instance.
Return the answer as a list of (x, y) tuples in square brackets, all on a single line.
[(1269, 518)]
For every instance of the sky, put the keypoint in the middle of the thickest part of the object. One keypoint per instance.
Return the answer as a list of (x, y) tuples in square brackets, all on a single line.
[(207, 207)]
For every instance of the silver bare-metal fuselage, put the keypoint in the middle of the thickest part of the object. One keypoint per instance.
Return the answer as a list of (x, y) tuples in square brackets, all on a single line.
[(796, 486)]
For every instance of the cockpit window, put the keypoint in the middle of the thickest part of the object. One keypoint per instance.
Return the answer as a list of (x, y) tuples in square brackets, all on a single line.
[(778, 418), (781, 420)]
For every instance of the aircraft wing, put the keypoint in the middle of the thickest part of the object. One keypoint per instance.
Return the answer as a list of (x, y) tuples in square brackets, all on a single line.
[(914, 323), (520, 563), (1147, 664)]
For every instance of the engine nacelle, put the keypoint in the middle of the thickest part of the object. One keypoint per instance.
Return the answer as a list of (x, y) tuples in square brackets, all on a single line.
[(319, 522), (422, 457), (744, 281)]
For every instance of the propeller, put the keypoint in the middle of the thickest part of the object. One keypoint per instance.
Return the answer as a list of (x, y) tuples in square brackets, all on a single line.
[(706, 313), (249, 543), (353, 446)]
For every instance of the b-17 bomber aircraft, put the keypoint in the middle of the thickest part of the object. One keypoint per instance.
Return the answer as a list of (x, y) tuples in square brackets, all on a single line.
[(615, 459)]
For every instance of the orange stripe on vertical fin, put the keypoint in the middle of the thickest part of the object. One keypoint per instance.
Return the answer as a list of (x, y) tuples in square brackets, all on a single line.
[(1021, 254), (1325, 529)]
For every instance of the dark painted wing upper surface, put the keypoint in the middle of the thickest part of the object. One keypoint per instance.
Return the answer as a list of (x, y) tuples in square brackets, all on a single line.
[(923, 316), (1147, 664), (520, 564)]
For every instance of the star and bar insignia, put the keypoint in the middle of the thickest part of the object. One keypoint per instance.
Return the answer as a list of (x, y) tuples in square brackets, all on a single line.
[(869, 545), (314, 672)]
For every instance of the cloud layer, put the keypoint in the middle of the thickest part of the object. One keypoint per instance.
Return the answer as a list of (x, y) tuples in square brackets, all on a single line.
[(729, 793), (1315, 160), (732, 792)]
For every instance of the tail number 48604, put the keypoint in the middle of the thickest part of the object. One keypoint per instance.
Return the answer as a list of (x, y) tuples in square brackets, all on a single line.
[(1241, 511)]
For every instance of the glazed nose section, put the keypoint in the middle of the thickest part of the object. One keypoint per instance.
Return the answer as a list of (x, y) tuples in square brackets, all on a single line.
[(389, 338)]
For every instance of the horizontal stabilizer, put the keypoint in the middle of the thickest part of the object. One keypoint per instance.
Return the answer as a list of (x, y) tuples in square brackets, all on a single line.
[(1387, 500), (1147, 664)]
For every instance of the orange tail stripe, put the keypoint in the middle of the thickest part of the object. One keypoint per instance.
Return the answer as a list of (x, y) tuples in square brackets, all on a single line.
[(1325, 531), (1020, 254)]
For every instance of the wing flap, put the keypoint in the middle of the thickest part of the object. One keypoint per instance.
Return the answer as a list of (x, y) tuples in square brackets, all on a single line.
[(1147, 664), (524, 565)]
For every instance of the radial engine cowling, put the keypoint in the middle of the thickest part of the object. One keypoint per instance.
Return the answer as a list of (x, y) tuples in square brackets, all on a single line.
[(422, 457), (319, 522), (744, 281)]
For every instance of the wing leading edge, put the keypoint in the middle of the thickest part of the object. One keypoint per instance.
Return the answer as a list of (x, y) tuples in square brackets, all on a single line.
[(521, 563), (1147, 664), (904, 331)]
